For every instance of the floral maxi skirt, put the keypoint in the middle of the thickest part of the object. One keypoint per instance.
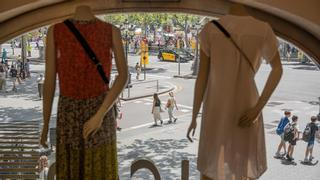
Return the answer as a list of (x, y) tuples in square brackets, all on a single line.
[(94, 158)]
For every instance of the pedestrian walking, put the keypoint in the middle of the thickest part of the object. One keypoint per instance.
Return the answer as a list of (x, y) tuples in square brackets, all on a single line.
[(19, 68), (318, 132), (13, 75), (119, 118), (4, 55), (3, 77), (43, 167), (138, 70), (171, 104), (280, 131), (309, 137), (292, 131), (29, 49), (13, 45), (156, 109), (40, 82), (6, 69)]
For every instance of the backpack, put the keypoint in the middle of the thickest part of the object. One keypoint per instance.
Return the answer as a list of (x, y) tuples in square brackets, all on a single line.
[(168, 103), (288, 132), (281, 126), (14, 72), (307, 133)]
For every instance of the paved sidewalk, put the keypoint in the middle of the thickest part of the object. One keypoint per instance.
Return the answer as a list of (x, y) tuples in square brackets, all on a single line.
[(167, 145)]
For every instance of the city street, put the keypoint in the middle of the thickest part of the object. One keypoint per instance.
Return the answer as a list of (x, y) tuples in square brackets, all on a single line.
[(167, 145)]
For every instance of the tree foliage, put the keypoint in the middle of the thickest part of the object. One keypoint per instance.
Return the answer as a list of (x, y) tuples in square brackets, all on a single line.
[(152, 21), (181, 21)]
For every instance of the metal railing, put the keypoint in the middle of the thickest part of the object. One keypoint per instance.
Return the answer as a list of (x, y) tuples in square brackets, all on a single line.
[(137, 83)]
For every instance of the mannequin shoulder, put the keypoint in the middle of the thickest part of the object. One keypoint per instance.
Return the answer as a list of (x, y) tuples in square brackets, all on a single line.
[(51, 29), (115, 30), (50, 33)]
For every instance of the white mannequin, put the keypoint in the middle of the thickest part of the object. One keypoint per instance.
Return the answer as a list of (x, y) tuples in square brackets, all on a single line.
[(82, 13), (248, 119)]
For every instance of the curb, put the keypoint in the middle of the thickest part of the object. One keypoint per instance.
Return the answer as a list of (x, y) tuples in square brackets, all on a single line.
[(147, 95), (188, 76)]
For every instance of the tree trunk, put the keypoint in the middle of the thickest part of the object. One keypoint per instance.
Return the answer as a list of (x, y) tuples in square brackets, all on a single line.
[(186, 31), (154, 34), (23, 55), (23, 48)]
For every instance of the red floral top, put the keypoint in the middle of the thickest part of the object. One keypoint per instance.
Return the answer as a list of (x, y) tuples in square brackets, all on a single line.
[(78, 76)]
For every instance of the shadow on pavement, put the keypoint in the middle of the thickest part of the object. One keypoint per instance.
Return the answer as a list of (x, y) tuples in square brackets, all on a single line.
[(286, 162), (167, 154), (28, 89), (312, 68), (8, 114)]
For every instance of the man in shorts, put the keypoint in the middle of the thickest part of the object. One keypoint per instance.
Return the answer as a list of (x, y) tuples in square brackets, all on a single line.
[(280, 131), (313, 130), (293, 141)]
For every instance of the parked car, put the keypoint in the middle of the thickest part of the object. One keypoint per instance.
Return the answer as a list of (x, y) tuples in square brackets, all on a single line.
[(175, 55)]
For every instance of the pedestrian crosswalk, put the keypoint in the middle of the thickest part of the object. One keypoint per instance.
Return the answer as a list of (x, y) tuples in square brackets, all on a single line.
[(148, 102)]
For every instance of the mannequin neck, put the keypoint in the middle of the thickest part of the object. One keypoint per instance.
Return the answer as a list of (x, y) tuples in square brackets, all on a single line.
[(83, 13)]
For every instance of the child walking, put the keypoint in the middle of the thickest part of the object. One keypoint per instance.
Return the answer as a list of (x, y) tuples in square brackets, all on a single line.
[(309, 136), (280, 131), (293, 141)]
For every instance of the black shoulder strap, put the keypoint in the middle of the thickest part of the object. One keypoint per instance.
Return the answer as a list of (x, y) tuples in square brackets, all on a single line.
[(228, 35), (87, 49)]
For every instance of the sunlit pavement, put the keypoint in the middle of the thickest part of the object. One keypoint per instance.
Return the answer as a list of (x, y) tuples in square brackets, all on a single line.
[(166, 145)]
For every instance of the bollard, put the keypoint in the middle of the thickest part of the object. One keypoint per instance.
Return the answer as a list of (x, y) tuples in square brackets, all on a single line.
[(185, 169), (128, 91), (157, 85), (52, 171)]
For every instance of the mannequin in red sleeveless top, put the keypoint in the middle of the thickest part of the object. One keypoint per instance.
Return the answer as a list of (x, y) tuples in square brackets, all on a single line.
[(98, 130)]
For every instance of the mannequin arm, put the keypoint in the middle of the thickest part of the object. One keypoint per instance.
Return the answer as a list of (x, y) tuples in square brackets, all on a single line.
[(199, 90), (49, 85), (95, 122), (275, 75)]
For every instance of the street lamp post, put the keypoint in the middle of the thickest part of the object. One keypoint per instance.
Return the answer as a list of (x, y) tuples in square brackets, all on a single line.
[(23, 55), (196, 61), (126, 28), (179, 66)]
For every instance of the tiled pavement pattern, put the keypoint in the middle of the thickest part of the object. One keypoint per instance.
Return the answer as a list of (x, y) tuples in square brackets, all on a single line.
[(19, 149), (167, 146)]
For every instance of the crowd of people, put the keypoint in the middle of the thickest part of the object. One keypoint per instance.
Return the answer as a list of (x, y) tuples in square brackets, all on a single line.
[(290, 133), (154, 44), (14, 72)]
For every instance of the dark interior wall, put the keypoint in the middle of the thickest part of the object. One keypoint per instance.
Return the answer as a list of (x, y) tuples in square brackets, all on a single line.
[(302, 36)]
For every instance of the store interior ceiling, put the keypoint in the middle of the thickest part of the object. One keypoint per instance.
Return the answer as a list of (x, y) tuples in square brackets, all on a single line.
[(296, 21)]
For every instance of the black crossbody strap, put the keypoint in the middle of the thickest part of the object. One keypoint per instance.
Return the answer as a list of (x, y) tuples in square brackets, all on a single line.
[(87, 49), (228, 35)]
